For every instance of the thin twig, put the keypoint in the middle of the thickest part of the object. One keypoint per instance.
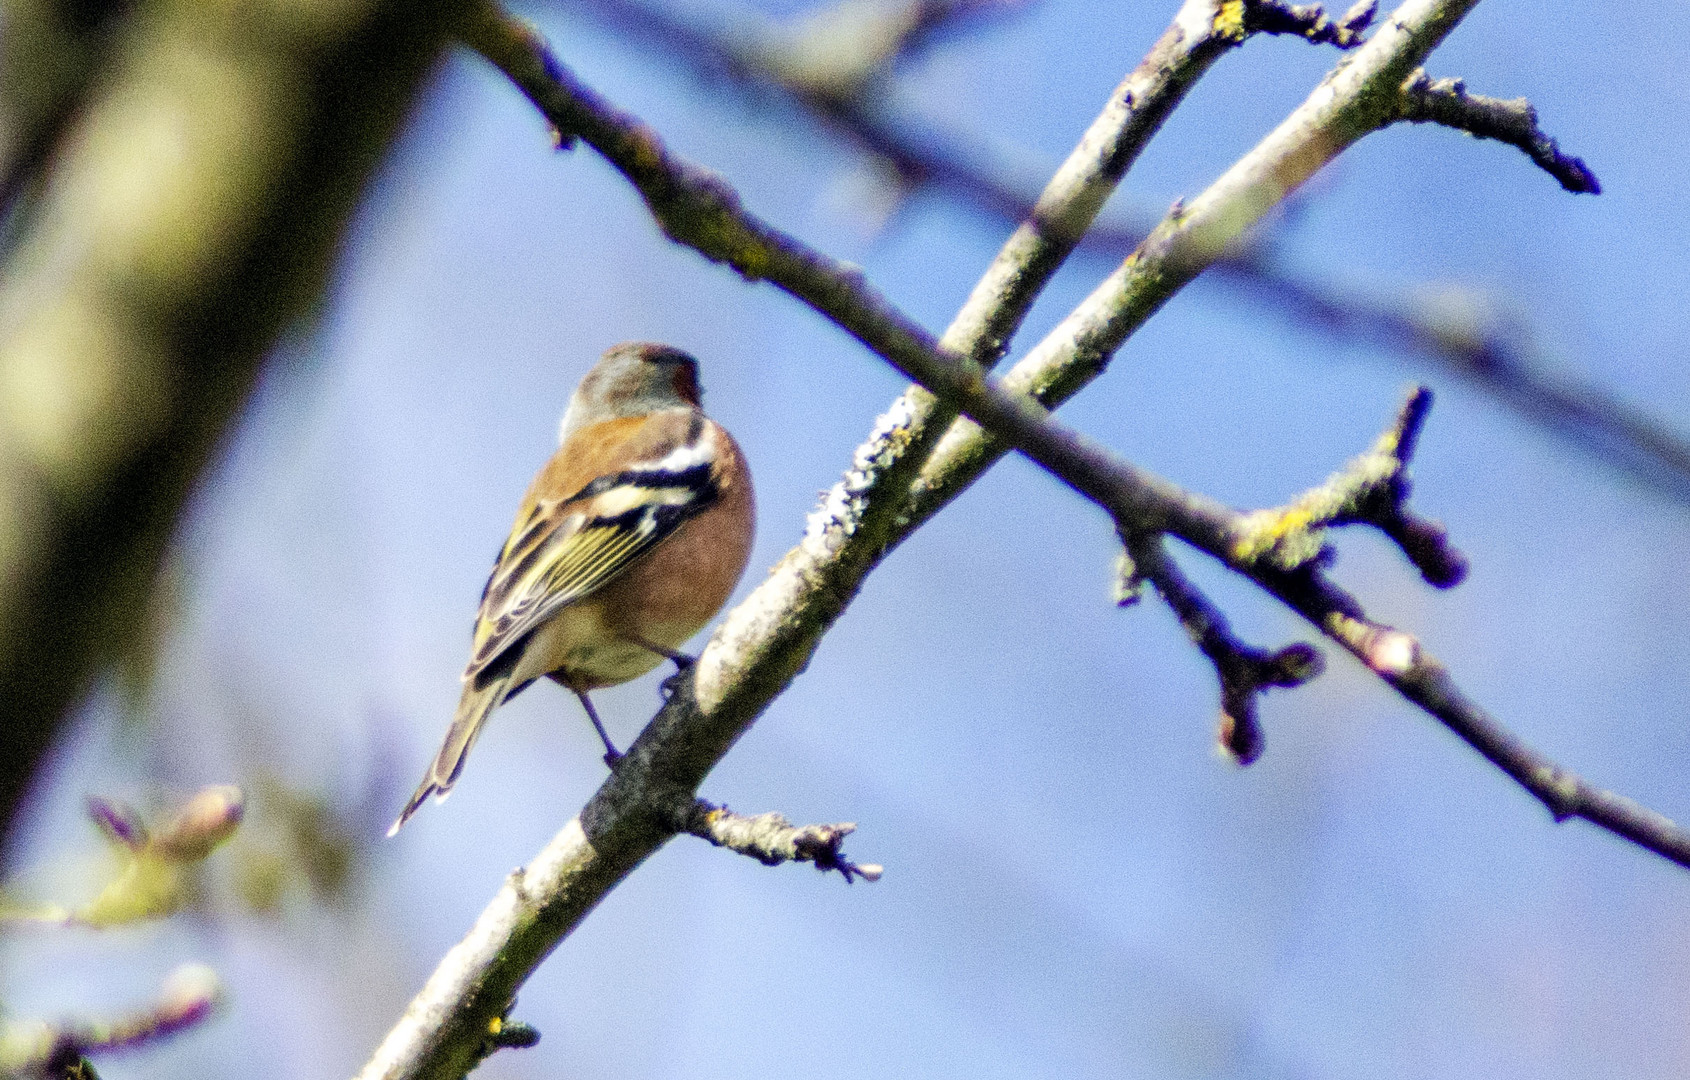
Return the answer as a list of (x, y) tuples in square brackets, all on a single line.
[(772, 840), (1310, 21), (1244, 671), (1372, 489), (1514, 122), (766, 640), (1491, 355)]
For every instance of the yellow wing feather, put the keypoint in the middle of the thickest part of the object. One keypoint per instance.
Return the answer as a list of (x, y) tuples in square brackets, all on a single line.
[(558, 558)]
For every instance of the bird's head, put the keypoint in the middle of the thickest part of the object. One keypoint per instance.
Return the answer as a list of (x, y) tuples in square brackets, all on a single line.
[(633, 379)]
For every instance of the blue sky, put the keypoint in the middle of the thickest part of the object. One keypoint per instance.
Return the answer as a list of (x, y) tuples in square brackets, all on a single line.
[(1076, 884)]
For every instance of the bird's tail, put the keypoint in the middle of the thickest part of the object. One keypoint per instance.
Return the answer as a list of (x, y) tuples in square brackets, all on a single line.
[(472, 712)]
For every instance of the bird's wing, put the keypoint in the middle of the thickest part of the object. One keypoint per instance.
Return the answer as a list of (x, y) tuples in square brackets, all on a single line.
[(568, 549)]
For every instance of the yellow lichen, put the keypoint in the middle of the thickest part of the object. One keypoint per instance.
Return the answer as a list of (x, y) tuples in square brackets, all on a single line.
[(1229, 20), (1265, 530), (751, 260), (645, 154)]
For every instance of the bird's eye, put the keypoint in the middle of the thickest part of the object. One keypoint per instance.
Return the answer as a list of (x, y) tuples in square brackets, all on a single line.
[(686, 381)]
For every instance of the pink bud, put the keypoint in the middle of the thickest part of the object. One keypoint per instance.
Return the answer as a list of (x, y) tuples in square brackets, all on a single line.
[(1391, 652), (203, 822)]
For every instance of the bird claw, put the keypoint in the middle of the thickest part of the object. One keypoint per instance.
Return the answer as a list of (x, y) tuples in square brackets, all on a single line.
[(683, 664), (668, 686)]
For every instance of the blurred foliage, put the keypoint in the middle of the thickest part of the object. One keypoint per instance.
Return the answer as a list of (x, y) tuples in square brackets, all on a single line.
[(135, 666), (293, 848), (296, 846), (155, 876), (59, 1050), (154, 873)]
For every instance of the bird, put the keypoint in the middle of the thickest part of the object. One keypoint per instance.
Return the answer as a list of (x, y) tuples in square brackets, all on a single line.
[(629, 540)]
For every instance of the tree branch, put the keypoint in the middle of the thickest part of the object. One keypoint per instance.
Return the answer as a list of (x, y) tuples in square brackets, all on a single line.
[(1447, 102), (1483, 351), (769, 638), (1371, 490), (696, 208), (1141, 503), (1355, 99), (765, 641), (772, 840)]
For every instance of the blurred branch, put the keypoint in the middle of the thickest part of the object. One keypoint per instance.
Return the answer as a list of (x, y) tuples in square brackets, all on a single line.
[(772, 840), (836, 51), (49, 52), (1457, 329), (1484, 351), (57, 1051), (767, 639), (191, 219), (1447, 102)]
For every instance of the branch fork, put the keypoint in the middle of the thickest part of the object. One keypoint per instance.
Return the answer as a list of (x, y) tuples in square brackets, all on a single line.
[(1244, 670), (1290, 541), (1371, 489)]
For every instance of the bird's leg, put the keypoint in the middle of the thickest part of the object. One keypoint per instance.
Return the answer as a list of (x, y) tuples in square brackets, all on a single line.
[(681, 659), (682, 663), (611, 754)]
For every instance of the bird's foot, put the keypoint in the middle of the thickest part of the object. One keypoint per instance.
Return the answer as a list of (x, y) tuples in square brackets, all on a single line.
[(683, 664), (673, 683)]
